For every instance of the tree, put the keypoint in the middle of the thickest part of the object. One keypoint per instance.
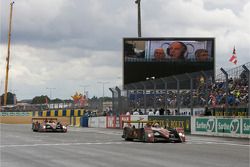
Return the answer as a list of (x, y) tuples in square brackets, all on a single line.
[(57, 101), (40, 100), (10, 98)]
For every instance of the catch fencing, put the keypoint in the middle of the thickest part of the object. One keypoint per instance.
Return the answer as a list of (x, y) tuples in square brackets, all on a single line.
[(225, 95)]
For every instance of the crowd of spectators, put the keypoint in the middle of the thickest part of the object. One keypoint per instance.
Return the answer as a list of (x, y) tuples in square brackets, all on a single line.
[(205, 93)]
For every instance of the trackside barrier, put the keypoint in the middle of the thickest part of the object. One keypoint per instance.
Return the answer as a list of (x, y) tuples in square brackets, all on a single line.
[(93, 122), (2, 114), (173, 121), (138, 118), (124, 118), (84, 121), (110, 121), (97, 122), (27, 119), (60, 113), (71, 121), (75, 121), (117, 121), (218, 126)]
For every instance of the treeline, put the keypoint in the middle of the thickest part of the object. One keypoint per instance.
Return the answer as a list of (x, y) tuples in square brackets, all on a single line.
[(43, 99)]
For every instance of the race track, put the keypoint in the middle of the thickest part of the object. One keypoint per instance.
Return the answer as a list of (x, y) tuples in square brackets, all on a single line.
[(91, 147)]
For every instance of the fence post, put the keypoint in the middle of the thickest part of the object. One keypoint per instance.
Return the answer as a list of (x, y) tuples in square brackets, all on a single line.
[(119, 101), (144, 96), (248, 78), (178, 93), (154, 85), (226, 75), (134, 85), (166, 93), (113, 100), (191, 94), (206, 92)]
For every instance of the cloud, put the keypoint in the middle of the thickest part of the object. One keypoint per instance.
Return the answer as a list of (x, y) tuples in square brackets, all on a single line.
[(65, 44)]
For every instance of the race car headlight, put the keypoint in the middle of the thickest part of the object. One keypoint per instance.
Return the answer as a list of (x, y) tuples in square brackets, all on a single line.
[(44, 127), (181, 134), (149, 135), (64, 127)]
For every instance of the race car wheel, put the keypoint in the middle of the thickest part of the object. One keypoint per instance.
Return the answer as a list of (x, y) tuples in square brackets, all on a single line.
[(127, 138)]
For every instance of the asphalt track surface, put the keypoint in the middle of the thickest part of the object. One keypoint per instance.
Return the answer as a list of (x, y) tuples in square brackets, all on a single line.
[(93, 147)]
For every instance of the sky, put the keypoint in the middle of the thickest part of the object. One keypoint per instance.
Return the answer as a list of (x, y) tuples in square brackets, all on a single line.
[(59, 47)]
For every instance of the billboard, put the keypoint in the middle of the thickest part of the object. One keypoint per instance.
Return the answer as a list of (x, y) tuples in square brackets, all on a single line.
[(162, 57)]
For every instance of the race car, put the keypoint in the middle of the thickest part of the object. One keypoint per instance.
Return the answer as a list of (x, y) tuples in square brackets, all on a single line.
[(151, 132), (47, 125)]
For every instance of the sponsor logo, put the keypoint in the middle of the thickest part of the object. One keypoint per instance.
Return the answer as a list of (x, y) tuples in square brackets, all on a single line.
[(234, 126), (210, 125), (205, 125), (140, 119)]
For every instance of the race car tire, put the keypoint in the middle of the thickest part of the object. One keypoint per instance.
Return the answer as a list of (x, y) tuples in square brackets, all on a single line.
[(127, 138)]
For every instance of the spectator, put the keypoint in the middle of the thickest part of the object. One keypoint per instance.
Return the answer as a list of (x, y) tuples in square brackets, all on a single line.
[(157, 112), (162, 111), (140, 112), (135, 112), (151, 112), (127, 113)]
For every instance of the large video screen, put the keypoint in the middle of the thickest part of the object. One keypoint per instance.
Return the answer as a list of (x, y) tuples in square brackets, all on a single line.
[(162, 57)]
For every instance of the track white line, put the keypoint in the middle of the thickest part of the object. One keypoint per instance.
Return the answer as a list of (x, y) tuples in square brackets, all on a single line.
[(64, 144), (218, 143)]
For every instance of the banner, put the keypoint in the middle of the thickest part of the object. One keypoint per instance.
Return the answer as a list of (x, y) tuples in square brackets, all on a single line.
[(205, 124), (246, 126), (173, 121), (230, 127), (110, 121)]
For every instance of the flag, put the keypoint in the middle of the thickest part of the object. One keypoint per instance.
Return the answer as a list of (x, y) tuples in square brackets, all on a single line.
[(233, 58)]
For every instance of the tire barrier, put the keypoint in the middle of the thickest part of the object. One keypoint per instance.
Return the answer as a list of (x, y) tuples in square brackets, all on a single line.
[(75, 121), (27, 119), (3, 114), (60, 113)]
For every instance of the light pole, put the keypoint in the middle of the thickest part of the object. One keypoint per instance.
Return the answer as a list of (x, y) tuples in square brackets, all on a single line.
[(103, 83), (84, 89), (8, 57), (50, 92), (138, 2)]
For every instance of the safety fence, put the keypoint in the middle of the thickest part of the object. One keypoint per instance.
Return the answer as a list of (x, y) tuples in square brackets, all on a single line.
[(226, 94)]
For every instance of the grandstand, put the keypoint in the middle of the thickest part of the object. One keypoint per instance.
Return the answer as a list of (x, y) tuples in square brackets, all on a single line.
[(227, 94)]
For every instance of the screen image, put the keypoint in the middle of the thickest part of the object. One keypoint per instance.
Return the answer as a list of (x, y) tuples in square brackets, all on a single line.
[(169, 49), (163, 57)]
